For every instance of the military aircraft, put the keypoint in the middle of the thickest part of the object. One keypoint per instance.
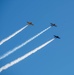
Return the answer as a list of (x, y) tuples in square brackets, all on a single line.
[(56, 37), (53, 25), (30, 23)]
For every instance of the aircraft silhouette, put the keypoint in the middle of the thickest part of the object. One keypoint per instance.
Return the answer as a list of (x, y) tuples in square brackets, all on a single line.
[(56, 37), (30, 23), (53, 25)]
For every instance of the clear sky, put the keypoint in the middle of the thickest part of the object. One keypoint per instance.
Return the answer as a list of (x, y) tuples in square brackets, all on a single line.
[(57, 58)]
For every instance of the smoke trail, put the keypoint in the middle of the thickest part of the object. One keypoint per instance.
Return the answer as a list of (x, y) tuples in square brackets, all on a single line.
[(25, 56), (6, 39), (18, 47)]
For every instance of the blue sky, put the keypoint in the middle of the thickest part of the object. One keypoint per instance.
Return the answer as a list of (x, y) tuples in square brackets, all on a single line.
[(57, 58)]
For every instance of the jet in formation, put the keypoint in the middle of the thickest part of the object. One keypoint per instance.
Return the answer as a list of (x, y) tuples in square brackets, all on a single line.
[(30, 23), (52, 24), (56, 37)]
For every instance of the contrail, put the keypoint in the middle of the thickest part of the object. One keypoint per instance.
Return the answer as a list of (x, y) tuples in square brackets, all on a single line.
[(25, 56), (9, 37), (18, 47)]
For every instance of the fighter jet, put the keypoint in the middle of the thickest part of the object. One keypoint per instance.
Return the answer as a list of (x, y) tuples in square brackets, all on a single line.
[(30, 23), (53, 25), (56, 37)]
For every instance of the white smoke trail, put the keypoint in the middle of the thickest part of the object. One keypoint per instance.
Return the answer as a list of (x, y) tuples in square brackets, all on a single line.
[(18, 47), (9, 37), (25, 56)]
